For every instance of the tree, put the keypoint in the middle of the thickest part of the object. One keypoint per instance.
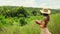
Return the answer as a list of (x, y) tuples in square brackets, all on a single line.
[(34, 12), (22, 11), (23, 22)]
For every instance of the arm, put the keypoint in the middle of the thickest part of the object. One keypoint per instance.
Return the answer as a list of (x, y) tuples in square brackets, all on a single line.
[(38, 22), (43, 23)]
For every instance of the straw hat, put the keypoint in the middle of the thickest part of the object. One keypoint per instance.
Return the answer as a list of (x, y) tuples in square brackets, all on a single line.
[(45, 11)]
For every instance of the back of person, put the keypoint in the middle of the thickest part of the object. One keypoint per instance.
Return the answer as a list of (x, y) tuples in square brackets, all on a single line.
[(45, 29), (43, 24)]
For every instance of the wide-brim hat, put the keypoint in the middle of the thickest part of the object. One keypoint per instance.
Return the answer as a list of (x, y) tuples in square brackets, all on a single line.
[(45, 12)]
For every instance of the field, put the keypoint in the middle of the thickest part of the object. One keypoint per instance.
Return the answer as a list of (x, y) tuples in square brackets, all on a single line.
[(32, 28), (24, 22)]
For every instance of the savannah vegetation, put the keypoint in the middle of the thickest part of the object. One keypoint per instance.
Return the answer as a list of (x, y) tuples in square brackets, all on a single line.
[(21, 20)]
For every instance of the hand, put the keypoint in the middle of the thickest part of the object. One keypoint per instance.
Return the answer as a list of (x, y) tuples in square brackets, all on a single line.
[(37, 22)]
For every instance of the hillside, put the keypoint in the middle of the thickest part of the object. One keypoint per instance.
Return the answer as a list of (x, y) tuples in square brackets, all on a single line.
[(21, 20)]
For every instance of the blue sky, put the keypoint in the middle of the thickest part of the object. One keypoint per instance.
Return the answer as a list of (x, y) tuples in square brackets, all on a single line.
[(32, 3)]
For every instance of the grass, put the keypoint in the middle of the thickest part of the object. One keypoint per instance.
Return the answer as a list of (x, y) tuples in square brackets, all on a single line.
[(31, 27)]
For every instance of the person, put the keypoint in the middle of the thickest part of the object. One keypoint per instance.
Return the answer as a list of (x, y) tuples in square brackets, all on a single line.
[(43, 23)]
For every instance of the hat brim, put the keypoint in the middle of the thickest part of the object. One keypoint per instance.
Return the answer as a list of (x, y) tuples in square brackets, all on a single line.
[(45, 12)]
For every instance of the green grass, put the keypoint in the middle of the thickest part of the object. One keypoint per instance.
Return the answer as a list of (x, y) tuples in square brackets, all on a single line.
[(31, 27)]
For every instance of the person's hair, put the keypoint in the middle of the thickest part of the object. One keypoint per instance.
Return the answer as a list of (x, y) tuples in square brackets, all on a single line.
[(47, 15), (48, 18)]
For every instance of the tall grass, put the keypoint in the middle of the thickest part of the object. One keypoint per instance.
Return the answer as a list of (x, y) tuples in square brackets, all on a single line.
[(31, 27)]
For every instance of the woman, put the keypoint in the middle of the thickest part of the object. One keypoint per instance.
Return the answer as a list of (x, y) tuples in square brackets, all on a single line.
[(43, 24)]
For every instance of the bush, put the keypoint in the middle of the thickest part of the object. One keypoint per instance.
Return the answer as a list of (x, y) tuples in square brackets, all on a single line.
[(23, 22)]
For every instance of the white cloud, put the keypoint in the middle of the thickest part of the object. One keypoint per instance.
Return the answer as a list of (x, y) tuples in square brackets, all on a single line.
[(10, 2), (50, 3), (54, 6), (31, 3), (17, 2)]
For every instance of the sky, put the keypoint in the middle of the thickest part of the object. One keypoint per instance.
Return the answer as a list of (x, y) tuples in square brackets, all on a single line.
[(54, 4)]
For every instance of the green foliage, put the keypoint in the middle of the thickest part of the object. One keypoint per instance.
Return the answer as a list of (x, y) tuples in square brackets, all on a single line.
[(22, 11), (34, 12), (21, 20), (13, 11)]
